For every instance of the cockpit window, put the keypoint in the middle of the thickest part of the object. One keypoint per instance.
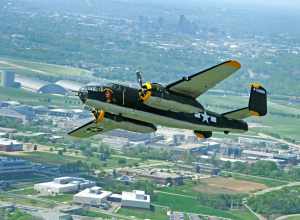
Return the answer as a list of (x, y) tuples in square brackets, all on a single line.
[(157, 87)]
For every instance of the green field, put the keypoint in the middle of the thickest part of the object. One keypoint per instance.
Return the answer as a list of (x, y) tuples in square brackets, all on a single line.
[(33, 68), (293, 218), (48, 158), (157, 213), (24, 191), (184, 204), (266, 181), (25, 201), (19, 215), (30, 98), (62, 198)]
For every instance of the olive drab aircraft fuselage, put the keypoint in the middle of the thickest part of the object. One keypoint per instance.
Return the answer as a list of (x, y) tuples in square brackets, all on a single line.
[(116, 106)]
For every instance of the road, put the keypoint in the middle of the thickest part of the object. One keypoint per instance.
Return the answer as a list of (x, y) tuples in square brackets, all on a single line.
[(279, 140), (276, 188), (288, 216)]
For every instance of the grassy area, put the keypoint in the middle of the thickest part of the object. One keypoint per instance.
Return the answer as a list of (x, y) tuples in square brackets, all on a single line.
[(25, 201), (32, 98), (262, 180), (293, 218), (184, 204), (19, 215), (48, 158), (59, 198), (157, 213), (218, 185), (24, 191), (244, 215), (42, 68), (94, 214)]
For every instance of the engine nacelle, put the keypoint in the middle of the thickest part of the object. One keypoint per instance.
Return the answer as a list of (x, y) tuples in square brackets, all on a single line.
[(203, 134), (155, 95)]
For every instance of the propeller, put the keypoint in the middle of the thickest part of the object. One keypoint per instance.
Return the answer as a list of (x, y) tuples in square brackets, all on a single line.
[(145, 89), (139, 78)]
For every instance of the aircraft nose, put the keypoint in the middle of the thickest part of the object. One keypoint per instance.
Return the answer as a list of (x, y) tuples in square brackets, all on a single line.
[(83, 94)]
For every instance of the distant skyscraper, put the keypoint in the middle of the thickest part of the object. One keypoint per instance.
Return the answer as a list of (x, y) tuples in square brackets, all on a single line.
[(185, 26), (8, 78)]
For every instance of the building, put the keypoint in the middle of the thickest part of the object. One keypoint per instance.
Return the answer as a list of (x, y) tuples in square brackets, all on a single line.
[(94, 196), (9, 145), (40, 86), (207, 169), (70, 85), (158, 176), (12, 114), (14, 166), (177, 216), (63, 185), (61, 113), (253, 154), (136, 199), (8, 79), (115, 198)]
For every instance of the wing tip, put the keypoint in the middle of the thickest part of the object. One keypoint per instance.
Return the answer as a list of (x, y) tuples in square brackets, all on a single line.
[(235, 64)]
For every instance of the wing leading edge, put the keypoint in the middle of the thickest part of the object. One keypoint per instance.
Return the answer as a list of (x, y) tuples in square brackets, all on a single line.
[(197, 84)]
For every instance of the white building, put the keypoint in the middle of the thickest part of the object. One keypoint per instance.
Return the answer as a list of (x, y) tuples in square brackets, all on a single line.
[(10, 145), (92, 196), (63, 185), (136, 199)]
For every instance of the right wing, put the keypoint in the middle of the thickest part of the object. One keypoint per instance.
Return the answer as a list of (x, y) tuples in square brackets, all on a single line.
[(197, 84)]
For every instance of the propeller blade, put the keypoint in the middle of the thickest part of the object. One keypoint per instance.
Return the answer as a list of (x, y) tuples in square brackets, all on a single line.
[(139, 78)]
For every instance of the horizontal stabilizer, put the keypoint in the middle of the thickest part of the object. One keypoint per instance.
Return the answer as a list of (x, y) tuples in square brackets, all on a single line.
[(257, 104)]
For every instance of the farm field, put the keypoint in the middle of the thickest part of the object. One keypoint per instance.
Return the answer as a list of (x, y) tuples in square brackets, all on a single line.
[(215, 186)]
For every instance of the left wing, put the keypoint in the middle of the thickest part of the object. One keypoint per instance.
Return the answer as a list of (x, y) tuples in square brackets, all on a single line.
[(111, 122), (92, 128), (197, 84)]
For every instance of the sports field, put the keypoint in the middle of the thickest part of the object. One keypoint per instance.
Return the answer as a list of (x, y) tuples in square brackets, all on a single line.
[(229, 185)]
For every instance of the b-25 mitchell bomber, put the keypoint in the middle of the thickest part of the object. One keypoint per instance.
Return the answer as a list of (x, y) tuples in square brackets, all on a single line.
[(141, 109)]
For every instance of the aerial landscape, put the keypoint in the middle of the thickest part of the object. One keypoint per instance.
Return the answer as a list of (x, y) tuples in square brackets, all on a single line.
[(54, 54)]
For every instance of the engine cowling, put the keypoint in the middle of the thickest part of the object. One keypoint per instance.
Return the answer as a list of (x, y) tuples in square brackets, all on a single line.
[(203, 134)]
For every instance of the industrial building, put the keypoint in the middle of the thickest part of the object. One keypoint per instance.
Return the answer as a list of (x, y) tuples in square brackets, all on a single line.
[(40, 86), (9, 145), (136, 199), (13, 114), (94, 196), (9, 166), (63, 185), (158, 176)]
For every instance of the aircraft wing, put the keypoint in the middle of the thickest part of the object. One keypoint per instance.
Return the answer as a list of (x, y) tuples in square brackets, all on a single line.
[(111, 122), (199, 83), (92, 128)]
